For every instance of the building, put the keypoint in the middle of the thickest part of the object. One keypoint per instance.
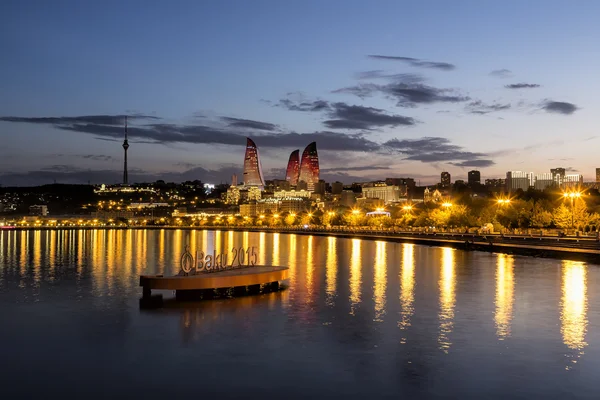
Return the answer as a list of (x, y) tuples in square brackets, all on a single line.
[(379, 190), (281, 194), (434, 196), (320, 187), (292, 205), (348, 198), (248, 210), (474, 178), (253, 175), (543, 181), (293, 168), (40, 211), (233, 195), (446, 180), (337, 187), (597, 175), (518, 180), (234, 181), (572, 180), (407, 185), (309, 166), (495, 185)]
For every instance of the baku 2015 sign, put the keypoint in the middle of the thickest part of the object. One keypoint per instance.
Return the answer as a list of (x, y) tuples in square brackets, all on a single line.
[(203, 263)]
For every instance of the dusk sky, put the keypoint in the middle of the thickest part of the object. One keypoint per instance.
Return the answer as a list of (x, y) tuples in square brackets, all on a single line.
[(385, 88)]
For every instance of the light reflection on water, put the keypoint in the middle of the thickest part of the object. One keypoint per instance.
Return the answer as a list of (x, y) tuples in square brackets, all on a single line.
[(573, 316), (505, 285), (350, 303), (407, 287), (447, 298)]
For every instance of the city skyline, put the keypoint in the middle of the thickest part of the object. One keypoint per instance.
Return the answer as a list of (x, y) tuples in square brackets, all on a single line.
[(382, 107)]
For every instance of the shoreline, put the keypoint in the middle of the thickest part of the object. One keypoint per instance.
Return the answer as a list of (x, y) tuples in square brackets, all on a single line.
[(570, 248)]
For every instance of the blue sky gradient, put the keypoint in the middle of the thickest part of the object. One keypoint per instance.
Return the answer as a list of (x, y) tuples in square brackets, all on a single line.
[(192, 63)]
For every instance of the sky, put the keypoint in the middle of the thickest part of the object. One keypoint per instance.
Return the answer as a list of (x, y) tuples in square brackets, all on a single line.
[(386, 88)]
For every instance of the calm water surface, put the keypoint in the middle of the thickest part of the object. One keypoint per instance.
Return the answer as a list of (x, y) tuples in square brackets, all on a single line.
[(361, 319)]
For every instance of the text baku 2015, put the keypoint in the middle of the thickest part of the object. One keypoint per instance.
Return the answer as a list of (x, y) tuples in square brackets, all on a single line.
[(206, 275)]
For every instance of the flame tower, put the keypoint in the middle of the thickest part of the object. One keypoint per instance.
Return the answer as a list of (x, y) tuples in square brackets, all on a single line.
[(125, 147), (252, 171), (293, 168), (309, 166)]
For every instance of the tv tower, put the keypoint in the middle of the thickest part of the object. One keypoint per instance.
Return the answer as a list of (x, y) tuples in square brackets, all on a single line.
[(125, 147)]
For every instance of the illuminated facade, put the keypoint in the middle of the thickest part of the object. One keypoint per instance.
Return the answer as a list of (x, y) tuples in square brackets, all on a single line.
[(293, 168), (252, 170), (309, 166)]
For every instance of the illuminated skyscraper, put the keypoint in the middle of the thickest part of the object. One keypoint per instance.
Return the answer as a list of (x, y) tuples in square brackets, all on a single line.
[(252, 171), (446, 180), (293, 168), (309, 166)]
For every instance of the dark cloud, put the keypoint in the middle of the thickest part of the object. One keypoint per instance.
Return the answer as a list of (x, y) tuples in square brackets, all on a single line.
[(415, 62), (559, 107), (248, 123), (479, 107), (522, 86), (502, 73), (359, 117), (359, 168), (406, 94), (379, 74), (434, 149), (202, 134), (97, 157), (86, 119), (316, 105), (474, 163)]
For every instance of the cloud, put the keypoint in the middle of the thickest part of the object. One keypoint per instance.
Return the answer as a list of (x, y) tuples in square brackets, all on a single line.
[(86, 119), (479, 107), (559, 107), (316, 105), (502, 73), (379, 74), (98, 157), (248, 123), (415, 62), (366, 118), (435, 149), (406, 94), (358, 168), (522, 86), (474, 163)]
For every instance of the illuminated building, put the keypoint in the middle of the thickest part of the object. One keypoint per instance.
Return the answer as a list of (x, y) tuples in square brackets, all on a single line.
[(309, 166), (558, 175), (380, 190), (597, 175), (435, 196), (291, 193), (125, 147), (518, 180), (252, 170), (38, 210), (446, 179), (293, 168), (542, 181)]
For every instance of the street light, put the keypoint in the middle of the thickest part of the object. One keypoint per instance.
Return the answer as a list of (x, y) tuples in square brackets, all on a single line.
[(572, 195), (407, 207), (355, 211), (447, 205)]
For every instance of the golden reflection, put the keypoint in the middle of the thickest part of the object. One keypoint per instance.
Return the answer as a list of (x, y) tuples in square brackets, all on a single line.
[(292, 257), (309, 268), (407, 286), (161, 247), (331, 269), (355, 275), (23, 259), (276, 249), (573, 316), (245, 240), (380, 280), (447, 298), (37, 257), (262, 251), (505, 287)]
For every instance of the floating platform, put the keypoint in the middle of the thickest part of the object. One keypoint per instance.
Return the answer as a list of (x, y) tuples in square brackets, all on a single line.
[(241, 281)]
